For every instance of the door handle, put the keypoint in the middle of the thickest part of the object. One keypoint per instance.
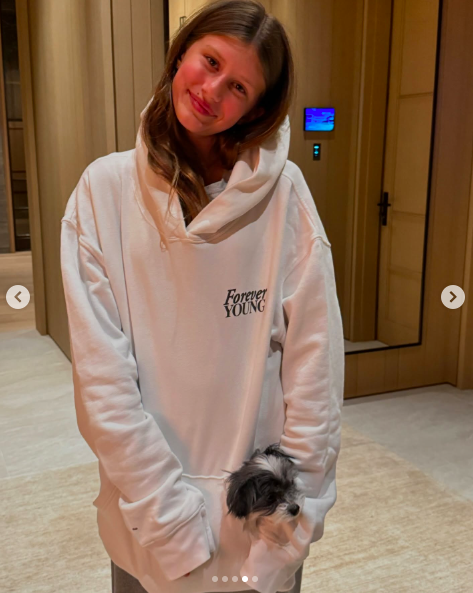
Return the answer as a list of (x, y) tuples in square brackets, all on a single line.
[(383, 210)]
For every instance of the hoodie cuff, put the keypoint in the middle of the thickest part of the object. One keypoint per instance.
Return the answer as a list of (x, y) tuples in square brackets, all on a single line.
[(274, 567), (186, 549)]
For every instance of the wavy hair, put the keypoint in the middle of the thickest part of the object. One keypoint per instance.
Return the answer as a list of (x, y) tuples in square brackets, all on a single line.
[(163, 134)]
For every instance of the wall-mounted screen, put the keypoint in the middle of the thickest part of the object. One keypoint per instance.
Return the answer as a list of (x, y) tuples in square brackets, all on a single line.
[(319, 119)]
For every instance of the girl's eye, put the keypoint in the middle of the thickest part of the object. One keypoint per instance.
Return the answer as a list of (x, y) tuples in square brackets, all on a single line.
[(238, 86), (209, 58), (242, 89)]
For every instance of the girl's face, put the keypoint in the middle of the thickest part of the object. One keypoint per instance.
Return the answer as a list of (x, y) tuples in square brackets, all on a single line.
[(219, 80)]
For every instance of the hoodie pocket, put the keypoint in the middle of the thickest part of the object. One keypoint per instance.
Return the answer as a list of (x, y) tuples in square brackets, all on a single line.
[(205, 518), (232, 543)]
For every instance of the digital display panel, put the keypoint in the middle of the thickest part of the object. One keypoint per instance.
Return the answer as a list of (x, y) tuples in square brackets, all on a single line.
[(319, 119)]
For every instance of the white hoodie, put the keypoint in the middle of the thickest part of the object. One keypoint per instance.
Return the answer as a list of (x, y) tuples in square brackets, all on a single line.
[(186, 360)]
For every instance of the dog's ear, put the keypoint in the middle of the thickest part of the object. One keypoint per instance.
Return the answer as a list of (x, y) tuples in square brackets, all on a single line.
[(275, 449), (255, 453), (241, 496)]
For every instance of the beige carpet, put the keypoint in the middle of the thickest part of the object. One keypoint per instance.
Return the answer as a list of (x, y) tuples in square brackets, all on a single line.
[(392, 530), (50, 542)]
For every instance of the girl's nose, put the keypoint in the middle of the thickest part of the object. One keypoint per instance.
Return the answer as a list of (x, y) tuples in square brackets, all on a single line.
[(214, 90)]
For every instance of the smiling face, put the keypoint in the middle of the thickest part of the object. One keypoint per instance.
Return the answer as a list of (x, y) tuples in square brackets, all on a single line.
[(219, 80)]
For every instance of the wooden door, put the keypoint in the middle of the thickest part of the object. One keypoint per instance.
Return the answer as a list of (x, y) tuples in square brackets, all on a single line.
[(406, 169)]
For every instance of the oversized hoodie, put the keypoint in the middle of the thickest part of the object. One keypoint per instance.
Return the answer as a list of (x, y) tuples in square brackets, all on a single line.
[(186, 360)]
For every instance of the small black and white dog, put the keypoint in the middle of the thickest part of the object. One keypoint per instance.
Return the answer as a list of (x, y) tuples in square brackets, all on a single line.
[(264, 493)]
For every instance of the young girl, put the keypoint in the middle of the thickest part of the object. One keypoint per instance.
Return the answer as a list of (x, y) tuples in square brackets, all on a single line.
[(203, 316)]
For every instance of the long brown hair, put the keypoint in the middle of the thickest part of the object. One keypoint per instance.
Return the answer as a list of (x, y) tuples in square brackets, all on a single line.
[(163, 134)]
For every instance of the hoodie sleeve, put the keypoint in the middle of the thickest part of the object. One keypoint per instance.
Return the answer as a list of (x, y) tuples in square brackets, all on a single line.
[(312, 374), (162, 512)]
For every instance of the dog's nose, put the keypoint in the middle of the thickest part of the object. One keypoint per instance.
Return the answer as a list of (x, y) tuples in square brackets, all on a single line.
[(293, 509)]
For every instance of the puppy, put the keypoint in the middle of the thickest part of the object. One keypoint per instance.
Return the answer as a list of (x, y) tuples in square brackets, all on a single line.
[(263, 492)]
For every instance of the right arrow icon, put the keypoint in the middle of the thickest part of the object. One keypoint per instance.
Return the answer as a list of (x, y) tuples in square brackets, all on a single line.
[(453, 296)]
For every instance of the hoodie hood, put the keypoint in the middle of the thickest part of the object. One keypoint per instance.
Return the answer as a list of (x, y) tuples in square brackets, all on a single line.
[(254, 174)]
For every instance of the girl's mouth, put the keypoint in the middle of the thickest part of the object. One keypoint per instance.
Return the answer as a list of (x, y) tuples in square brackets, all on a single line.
[(198, 106)]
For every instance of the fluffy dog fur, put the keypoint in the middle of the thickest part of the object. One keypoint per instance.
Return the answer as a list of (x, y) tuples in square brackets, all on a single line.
[(264, 494)]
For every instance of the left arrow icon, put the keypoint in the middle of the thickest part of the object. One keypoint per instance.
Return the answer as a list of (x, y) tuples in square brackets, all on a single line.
[(13, 296)]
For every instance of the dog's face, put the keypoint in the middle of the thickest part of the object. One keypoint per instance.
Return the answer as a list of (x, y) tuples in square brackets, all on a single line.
[(264, 486)]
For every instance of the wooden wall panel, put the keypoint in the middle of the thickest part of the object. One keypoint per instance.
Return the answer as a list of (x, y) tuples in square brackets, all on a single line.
[(138, 51), (26, 80), (66, 71)]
